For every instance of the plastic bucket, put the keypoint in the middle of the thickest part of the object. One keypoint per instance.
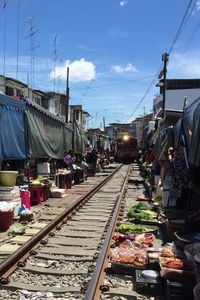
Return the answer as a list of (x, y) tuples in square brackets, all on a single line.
[(6, 219), (8, 178)]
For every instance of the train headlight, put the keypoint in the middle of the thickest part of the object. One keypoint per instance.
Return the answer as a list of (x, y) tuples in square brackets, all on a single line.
[(126, 137)]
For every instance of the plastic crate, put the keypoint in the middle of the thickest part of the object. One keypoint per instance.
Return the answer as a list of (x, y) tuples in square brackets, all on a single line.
[(148, 286), (176, 290)]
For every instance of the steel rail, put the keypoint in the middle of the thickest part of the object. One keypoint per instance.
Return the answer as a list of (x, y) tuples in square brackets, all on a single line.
[(96, 283), (16, 259)]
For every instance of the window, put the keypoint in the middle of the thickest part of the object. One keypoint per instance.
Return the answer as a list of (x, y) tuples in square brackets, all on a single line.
[(9, 91)]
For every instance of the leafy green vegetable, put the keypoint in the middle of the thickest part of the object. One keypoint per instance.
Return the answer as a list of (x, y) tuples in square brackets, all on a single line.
[(139, 214), (124, 228), (141, 206)]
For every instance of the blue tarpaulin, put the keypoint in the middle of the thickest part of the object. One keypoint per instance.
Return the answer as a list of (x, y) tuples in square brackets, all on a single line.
[(12, 135)]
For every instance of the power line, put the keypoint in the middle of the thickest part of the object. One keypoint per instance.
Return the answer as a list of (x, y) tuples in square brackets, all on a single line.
[(180, 29), (147, 91), (182, 24), (115, 83), (187, 45)]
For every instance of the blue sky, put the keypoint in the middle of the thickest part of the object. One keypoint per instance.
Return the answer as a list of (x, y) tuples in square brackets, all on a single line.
[(113, 50)]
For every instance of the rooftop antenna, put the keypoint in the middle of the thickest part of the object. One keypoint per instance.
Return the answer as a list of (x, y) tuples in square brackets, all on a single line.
[(4, 36), (32, 49), (18, 17), (55, 58)]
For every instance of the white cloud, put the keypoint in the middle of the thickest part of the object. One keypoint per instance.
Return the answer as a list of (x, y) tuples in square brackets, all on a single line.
[(186, 66), (120, 69), (79, 70), (123, 3)]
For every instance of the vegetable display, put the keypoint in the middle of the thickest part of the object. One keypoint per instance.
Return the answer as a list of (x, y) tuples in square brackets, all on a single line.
[(128, 228), (140, 214), (141, 206), (143, 238), (131, 253)]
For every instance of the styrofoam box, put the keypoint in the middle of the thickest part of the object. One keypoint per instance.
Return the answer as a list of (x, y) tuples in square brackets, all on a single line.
[(43, 168), (17, 204)]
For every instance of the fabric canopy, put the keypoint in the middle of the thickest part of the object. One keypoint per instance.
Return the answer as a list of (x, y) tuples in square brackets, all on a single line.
[(68, 138), (191, 131), (45, 135), (163, 139), (12, 136)]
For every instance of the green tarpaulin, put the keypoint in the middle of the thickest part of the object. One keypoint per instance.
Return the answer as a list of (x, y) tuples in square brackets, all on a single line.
[(45, 135)]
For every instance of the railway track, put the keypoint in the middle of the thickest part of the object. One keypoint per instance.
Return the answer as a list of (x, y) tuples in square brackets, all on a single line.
[(66, 259)]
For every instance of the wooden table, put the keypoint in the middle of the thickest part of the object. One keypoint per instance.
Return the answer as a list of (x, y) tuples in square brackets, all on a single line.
[(64, 180)]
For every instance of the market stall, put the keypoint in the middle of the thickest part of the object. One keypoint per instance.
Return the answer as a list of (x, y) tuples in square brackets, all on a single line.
[(12, 138), (45, 133)]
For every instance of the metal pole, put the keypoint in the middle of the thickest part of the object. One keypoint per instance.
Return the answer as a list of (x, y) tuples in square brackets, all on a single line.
[(67, 96), (165, 58)]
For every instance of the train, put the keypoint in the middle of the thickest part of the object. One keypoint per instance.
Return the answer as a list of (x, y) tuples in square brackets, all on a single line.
[(126, 149)]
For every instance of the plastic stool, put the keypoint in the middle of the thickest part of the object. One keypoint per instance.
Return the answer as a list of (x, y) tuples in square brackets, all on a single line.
[(45, 192), (37, 195)]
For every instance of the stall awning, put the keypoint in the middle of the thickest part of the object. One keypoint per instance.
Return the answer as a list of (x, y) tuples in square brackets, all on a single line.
[(68, 134), (45, 134), (191, 130), (12, 137)]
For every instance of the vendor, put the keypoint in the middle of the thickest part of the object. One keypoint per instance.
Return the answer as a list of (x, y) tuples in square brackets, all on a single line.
[(150, 155), (68, 161)]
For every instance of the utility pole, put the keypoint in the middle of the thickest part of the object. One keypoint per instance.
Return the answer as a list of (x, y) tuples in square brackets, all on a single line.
[(165, 58), (104, 123), (67, 96)]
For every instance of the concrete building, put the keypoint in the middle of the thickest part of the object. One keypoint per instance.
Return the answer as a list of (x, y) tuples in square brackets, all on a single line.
[(13, 88), (176, 90)]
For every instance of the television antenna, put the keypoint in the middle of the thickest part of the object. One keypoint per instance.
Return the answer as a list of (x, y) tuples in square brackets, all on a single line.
[(4, 36), (32, 49)]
